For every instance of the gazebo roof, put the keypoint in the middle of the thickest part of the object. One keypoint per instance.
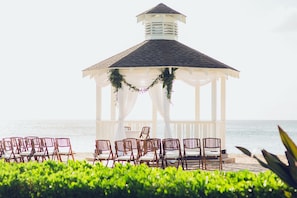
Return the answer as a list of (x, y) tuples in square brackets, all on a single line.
[(160, 54), (162, 9), (161, 50)]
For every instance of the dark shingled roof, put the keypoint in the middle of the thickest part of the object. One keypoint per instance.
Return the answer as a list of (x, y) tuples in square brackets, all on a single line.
[(161, 8), (156, 53)]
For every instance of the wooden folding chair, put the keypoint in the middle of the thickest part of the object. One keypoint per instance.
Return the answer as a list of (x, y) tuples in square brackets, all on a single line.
[(212, 151), (103, 151), (26, 148), (64, 148), (134, 147), (150, 154), (124, 152), (172, 152), (145, 132), (40, 153), (192, 150), (49, 144), (10, 150)]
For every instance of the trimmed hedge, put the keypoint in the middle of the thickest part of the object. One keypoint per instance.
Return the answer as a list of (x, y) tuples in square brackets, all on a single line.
[(81, 179)]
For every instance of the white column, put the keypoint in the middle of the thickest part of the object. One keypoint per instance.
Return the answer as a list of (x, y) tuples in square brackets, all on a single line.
[(214, 108), (98, 110), (112, 104), (223, 98), (98, 103), (223, 113), (214, 100), (154, 124), (197, 103)]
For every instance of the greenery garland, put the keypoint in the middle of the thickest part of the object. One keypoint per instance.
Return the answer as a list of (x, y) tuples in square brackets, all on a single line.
[(116, 79)]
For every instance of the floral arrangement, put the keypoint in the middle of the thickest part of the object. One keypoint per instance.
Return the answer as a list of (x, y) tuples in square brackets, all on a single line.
[(167, 77)]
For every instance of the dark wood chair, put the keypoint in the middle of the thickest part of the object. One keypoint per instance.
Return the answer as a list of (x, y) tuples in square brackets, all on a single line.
[(49, 144), (192, 150), (145, 132), (172, 152), (212, 151), (124, 152), (103, 151), (64, 148), (9, 150), (150, 154), (134, 147)]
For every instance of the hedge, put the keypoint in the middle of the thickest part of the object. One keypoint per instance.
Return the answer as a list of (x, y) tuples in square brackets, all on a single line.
[(81, 179)]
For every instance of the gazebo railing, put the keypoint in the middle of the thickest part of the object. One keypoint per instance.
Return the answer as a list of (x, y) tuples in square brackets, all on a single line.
[(179, 129)]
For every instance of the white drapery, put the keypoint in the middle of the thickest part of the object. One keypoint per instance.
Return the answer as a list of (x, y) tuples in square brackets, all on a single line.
[(195, 77), (127, 97), (159, 99), (142, 78), (126, 102)]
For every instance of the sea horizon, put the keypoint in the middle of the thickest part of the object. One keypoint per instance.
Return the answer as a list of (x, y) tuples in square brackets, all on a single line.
[(254, 135)]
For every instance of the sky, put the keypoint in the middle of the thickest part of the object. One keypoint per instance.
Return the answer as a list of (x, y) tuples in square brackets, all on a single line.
[(45, 45)]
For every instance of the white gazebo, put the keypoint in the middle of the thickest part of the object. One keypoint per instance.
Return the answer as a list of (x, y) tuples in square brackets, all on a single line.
[(152, 66)]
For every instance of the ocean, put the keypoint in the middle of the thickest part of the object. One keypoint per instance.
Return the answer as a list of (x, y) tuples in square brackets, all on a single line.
[(251, 134)]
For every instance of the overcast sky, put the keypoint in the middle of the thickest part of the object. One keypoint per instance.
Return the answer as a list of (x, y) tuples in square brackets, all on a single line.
[(45, 45)]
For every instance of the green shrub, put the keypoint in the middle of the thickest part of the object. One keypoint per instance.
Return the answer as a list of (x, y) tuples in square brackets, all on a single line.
[(287, 172), (80, 179)]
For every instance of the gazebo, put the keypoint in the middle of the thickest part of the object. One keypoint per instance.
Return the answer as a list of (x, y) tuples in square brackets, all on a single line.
[(153, 66)]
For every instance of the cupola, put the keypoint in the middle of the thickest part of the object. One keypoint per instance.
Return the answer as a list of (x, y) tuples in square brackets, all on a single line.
[(161, 22)]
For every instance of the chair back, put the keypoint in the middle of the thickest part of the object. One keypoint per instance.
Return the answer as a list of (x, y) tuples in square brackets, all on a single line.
[(102, 146), (123, 147), (63, 145), (140, 147), (1, 148), (18, 144), (50, 146), (170, 144), (7, 145), (145, 132), (157, 144), (10, 149), (134, 146), (63, 142), (211, 146), (192, 144)]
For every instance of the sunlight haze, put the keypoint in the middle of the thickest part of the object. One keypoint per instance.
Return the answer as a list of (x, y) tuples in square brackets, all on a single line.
[(45, 45)]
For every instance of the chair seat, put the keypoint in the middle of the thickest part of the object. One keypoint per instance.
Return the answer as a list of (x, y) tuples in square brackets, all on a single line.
[(212, 153), (64, 153), (172, 155), (124, 158), (26, 153), (6, 156), (103, 156), (148, 157), (192, 152), (39, 153)]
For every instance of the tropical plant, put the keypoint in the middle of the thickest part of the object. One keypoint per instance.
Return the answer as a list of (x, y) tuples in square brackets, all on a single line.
[(286, 172)]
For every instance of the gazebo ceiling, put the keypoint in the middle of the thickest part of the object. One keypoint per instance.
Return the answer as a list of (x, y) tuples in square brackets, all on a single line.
[(158, 54)]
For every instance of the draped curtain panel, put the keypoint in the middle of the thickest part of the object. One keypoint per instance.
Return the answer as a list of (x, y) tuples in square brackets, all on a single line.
[(126, 102), (142, 78), (159, 99)]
